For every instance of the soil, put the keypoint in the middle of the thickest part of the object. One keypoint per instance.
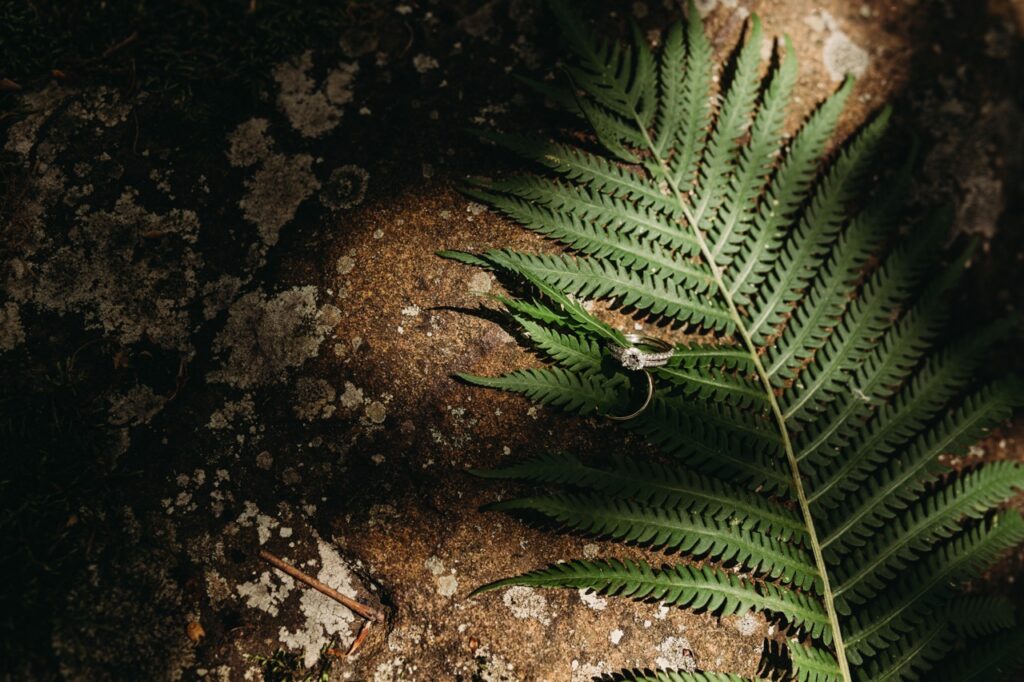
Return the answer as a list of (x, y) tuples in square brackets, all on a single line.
[(267, 338)]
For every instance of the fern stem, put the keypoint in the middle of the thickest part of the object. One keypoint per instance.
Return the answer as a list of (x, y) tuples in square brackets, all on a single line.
[(773, 403)]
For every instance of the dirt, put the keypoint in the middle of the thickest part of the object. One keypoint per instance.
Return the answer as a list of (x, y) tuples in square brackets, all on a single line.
[(273, 338)]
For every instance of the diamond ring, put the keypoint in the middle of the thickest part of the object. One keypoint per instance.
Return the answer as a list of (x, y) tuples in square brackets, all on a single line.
[(644, 352)]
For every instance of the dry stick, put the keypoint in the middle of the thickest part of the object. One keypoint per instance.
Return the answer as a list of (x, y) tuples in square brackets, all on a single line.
[(357, 643), (362, 609)]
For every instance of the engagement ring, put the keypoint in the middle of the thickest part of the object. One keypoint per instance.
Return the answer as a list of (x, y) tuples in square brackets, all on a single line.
[(636, 358), (644, 352)]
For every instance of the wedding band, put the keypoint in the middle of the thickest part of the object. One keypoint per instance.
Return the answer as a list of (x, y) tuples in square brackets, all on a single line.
[(639, 410), (634, 358)]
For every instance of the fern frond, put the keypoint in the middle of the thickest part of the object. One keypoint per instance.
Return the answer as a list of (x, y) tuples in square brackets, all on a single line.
[(811, 664), (802, 253), (592, 171), (857, 332), (663, 487), (672, 676), (556, 387), (916, 653), (598, 278), (871, 385), (808, 432), (899, 481), (687, 125), (577, 354), (713, 449), (671, 529), (936, 517), (786, 193), (983, 616), (912, 655), (755, 161), (733, 118), (596, 224), (908, 414), (704, 588), (904, 607), (815, 317)]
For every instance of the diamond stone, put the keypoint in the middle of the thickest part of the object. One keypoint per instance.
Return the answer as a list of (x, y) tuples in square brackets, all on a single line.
[(632, 359)]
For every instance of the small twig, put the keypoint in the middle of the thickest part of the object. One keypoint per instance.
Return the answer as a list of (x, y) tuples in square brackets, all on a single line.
[(362, 609), (121, 45), (357, 643)]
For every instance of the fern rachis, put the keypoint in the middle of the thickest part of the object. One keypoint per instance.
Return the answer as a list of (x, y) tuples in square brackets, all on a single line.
[(808, 436)]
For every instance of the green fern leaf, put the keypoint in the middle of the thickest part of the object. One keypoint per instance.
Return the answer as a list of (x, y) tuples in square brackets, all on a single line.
[(811, 664), (674, 676), (555, 386), (661, 528), (698, 588), (806, 433), (662, 487)]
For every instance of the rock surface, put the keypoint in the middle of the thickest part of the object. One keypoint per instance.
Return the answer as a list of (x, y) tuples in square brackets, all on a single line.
[(274, 339)]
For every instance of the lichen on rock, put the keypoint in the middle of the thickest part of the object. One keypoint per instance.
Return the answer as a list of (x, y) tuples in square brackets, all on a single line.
[(264, 337)]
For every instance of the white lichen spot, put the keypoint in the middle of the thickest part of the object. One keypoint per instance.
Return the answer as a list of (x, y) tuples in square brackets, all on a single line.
[(434, 565), (22, 134), (252, 517), (275, 191), (447, 585), (249, 143), (218, 294), (527, 603), (346, 264), (266, 592), (376, 412), (129, 272), (352, 396), (615, 636), (310, 109), (424, 63), (674, 652), (747, 624), (325, 619), (593, 600), (842, 56), (264, 460), (480, 282), (705, 7), (265, 337)]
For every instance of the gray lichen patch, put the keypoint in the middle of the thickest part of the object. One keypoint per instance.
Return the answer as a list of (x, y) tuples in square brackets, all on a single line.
[(249, 143), (12, 334), (314, 399), (130, 272), (278, 183), (843, 57), (136, 406), (313, 110), (22, 135), (346, 188), (275, 191), (323, 619), (264, 337)]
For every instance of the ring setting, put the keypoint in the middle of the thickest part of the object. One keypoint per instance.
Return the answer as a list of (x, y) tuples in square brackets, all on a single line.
[(634, 358), (642, 353)]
